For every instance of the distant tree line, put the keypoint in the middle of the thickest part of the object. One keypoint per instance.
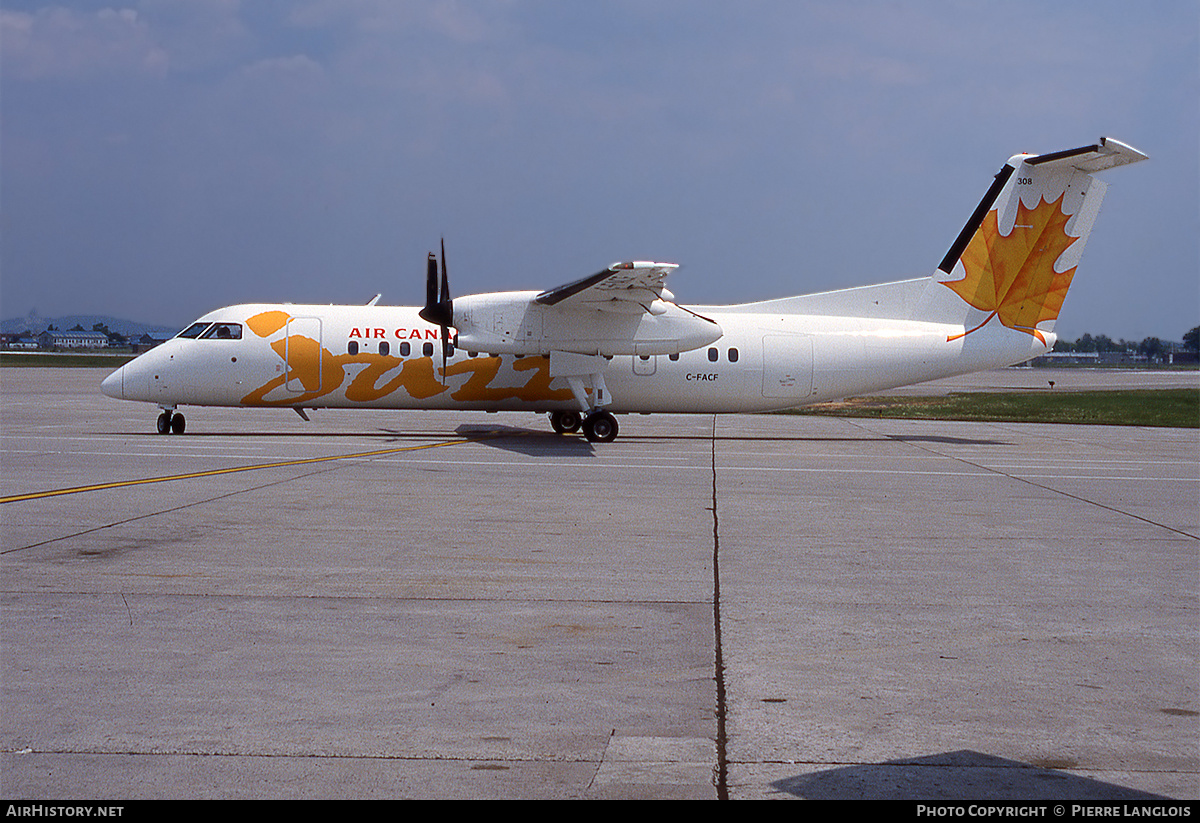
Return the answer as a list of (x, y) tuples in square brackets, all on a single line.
[(1151, 347), (114, 338)]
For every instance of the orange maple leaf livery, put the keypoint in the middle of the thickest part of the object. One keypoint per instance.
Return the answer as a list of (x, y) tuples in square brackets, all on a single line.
[(1013, 276), (1017, 254)]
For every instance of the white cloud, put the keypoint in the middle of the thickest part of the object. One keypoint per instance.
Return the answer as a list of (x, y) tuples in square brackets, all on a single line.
[(60, 43), (295, 66)]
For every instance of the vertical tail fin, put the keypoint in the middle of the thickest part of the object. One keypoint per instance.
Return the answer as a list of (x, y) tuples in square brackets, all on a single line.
[(1014, 260)]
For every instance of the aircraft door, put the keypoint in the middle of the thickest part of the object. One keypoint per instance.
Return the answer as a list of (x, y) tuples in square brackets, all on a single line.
[(645, 364), (303, 354), (787, 365)]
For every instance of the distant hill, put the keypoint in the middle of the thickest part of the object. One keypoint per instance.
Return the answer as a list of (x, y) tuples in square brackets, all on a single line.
[(37, 325)]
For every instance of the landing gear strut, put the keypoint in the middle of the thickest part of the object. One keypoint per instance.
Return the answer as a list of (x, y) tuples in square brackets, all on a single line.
[(171, 422), (584, 373)]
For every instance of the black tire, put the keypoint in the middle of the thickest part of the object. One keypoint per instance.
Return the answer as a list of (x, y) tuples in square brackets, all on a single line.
[(164, 423), (600, 427), (565, 421), (178, 424)]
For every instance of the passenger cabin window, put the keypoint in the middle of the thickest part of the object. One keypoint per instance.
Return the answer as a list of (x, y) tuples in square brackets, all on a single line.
[(427, 349), (352, 347), (384, 348), (405, 349), (733, 355), (224, 331), (674, 356), (193, 331), (713, 355)]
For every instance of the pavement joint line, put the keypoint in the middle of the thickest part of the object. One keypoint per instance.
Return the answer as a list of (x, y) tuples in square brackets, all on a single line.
[(300, 755), (118, 484), (1028, 481), (161, 512), (721, 777)]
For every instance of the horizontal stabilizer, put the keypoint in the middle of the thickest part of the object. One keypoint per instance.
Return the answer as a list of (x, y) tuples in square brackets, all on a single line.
[(1107, 154)]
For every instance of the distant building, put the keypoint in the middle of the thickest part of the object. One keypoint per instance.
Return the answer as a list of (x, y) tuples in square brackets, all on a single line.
[(149, 340), (1059, 357), (73, 340)]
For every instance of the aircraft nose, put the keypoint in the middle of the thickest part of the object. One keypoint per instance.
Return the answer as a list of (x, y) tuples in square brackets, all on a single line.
[(114, 384)]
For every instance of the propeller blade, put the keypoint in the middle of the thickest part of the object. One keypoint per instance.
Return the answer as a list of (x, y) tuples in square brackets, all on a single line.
[(439, 308), (431, 289), (445, 295), (446, 307)]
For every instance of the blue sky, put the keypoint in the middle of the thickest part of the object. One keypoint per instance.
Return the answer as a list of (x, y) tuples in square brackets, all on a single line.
[(161, 158)]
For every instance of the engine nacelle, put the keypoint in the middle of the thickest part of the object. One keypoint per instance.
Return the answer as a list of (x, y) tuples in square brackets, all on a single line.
[(512, 323)]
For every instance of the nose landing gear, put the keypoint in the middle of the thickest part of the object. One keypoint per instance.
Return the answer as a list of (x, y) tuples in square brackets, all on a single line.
[(171, 422)]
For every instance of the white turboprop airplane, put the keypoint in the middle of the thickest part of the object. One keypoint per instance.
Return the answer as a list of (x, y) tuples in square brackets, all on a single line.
[(618, 342)]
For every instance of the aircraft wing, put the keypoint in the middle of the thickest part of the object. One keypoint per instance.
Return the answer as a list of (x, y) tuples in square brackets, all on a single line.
[(624, 288), (624, 309)]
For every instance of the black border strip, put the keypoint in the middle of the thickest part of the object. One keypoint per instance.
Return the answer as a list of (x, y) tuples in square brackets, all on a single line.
[(560, 293), (1059, 155), (964, 237)]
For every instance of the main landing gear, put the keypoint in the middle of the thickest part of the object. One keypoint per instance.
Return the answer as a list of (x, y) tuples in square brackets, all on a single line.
[(171, 422), (584, 373), (598, 426)]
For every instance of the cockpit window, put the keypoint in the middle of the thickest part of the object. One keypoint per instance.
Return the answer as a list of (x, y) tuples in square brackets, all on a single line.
[(224, 331), (193, 331)]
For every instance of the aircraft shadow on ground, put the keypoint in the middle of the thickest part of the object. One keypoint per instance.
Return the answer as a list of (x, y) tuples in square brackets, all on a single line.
[(529, 442), (540, 442), (947, 441), (537, 443), (962, 775), (550, 443)]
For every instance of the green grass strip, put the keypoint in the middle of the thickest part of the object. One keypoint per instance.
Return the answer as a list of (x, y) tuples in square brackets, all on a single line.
[(1175, 408)]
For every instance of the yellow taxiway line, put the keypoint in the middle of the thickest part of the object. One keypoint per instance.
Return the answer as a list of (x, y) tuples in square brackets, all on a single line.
[(118, 484)]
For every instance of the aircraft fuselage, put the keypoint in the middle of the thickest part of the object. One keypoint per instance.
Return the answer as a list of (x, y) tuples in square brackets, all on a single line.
[(388, 358)]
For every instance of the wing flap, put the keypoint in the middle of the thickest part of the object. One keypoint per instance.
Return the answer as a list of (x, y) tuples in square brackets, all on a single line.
[(622, 287)]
